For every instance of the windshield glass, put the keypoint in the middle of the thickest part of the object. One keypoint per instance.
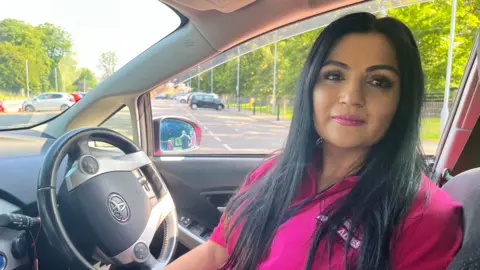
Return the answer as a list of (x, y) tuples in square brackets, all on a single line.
[(53, 53)]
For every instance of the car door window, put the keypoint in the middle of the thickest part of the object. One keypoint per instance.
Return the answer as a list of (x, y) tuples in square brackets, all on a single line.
[(209, 98), (257, 80)]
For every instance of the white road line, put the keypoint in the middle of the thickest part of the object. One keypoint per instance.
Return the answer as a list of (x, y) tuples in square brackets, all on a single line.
[(206, 128), (218, 139), (227, 147), (236, 129), (211, 133)]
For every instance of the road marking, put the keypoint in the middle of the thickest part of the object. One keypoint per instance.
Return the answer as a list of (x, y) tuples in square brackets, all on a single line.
[(227, 147), (236, 129), (206, 128), (218, 139), (211, 133)]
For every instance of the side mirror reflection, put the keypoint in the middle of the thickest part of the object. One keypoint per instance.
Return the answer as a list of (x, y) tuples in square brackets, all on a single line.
[(177, 136)]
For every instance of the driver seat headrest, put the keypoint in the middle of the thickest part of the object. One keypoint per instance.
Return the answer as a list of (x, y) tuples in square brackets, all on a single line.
[(465, 188)]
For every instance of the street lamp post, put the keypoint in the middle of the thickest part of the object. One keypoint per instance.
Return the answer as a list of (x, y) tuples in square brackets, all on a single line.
[(275, 72), (26, 72), (446, 98), (238, 80)]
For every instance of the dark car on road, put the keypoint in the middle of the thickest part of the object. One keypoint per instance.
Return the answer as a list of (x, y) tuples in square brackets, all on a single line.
[(206, 101)]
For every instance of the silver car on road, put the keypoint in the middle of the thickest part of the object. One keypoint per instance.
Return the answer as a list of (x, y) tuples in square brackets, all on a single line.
[(55, 101)]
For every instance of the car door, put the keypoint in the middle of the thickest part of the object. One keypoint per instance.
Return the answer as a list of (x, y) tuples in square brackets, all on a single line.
[(41, 102), (209, 101), (55, 102), (200, 100)]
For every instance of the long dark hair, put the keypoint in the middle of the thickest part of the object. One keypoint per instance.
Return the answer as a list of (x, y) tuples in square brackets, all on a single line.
[(389, 178)]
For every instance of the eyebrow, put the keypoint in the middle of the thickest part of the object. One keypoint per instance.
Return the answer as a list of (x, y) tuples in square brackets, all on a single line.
[(369, 69)]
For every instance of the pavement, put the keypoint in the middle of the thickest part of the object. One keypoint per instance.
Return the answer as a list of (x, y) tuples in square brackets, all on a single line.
[(223, 132)]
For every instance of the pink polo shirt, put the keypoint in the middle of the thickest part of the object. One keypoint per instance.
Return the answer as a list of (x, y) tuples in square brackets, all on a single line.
[(430, 237)]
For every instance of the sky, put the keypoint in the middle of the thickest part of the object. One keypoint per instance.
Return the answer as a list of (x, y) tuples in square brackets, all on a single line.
[(127, 27)]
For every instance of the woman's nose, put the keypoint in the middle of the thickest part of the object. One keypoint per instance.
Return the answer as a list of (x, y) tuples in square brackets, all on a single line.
[(353, 94)]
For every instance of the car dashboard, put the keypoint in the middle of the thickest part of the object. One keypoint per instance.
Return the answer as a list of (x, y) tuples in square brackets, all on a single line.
[(21, 156)]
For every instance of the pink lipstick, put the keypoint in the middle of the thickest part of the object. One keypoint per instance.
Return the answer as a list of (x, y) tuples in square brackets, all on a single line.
[(348, 120)]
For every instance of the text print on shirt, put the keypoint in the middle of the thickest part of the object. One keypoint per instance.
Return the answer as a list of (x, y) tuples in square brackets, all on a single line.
[(343, 232)]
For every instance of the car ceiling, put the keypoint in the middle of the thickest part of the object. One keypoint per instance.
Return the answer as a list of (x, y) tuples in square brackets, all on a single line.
[(203, 35), (225, 30)]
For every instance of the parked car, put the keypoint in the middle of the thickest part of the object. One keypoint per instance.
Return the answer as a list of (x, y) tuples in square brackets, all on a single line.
[(161, 96), (206, 101), (189, 96), (182, 98), (76, 96), (54, 101), (2, 109)]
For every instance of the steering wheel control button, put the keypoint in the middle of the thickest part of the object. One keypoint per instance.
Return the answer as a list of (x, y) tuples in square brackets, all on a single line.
[(118, 208), (140, 252), (89, 165)]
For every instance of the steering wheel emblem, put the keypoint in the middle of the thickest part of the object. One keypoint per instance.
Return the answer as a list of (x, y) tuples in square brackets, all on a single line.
[(118, 208)]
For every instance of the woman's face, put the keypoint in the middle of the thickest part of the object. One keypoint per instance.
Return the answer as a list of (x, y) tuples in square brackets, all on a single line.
[(357, 91)]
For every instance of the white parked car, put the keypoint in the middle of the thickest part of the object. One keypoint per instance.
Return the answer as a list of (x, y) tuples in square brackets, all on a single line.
[(182, 98), (55, 101)]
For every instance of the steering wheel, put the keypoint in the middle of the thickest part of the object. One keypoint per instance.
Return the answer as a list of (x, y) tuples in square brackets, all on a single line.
[(120, 201)]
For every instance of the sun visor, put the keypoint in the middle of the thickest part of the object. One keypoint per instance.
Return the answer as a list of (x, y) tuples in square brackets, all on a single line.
[(225, 6)]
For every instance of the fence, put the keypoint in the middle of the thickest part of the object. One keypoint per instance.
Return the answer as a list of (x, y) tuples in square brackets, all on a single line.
[(432, 107)]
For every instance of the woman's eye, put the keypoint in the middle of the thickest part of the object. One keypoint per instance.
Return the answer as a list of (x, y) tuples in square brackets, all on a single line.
[(333, 76), (381, 83)]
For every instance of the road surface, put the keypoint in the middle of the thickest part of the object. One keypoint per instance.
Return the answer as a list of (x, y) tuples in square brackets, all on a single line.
[(223, 132), (228, 131)]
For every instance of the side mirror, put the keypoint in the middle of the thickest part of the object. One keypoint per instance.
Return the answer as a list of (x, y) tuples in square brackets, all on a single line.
[(175, 135)]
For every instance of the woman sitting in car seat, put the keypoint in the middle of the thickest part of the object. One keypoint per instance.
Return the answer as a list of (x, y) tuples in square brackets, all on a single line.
[(348, 191)]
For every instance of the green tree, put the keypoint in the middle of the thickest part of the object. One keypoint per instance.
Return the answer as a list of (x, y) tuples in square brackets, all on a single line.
[(57, 44), (43, 46), (107, 63), (225, 78), (430, 24), (68, 73), (13, 68), (256, 73), (291, 55), (86, 80)]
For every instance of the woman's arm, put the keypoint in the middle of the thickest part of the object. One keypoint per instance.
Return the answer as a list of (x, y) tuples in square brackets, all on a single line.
[(208, 256)]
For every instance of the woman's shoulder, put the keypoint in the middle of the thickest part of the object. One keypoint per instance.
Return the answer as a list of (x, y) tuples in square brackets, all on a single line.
[(432, 202), (260, 171), (431, 234)]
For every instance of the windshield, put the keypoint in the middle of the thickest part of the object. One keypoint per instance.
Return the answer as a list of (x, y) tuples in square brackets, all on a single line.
[(53, 53)]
